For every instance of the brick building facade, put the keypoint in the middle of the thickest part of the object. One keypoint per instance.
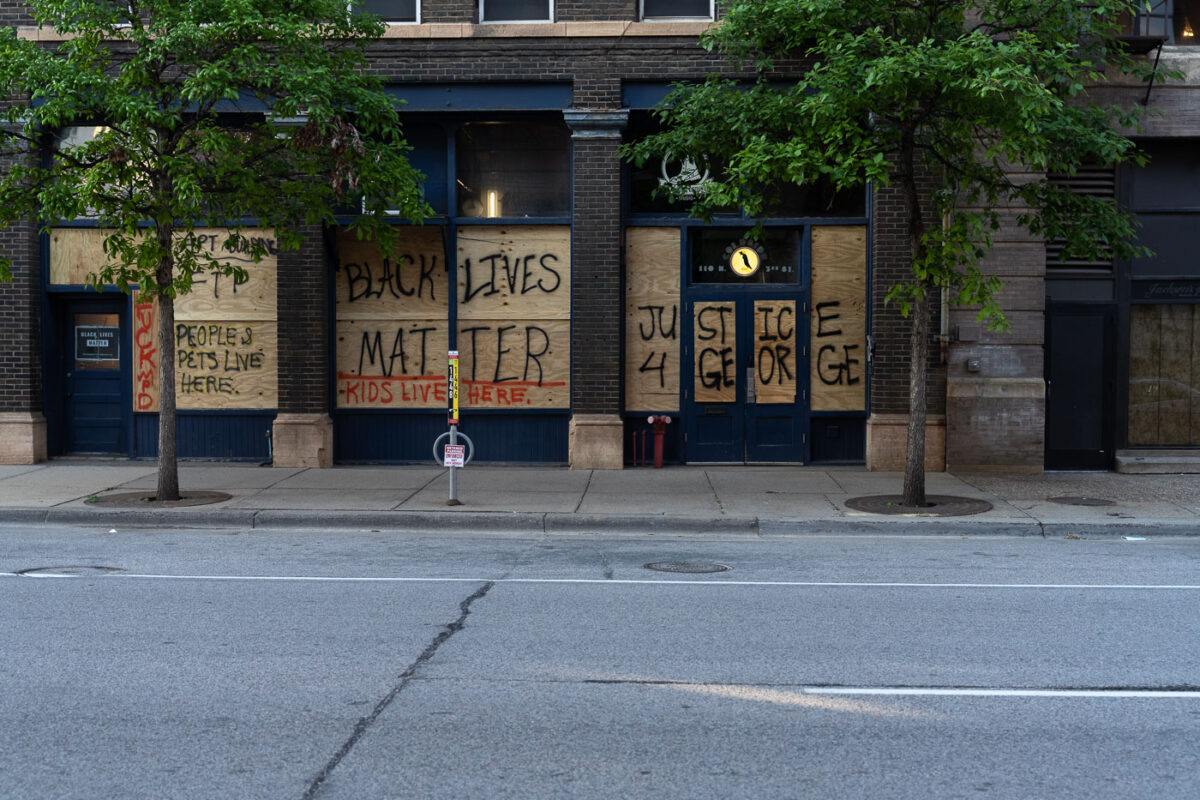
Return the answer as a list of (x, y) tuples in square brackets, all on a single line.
[(579, 303)]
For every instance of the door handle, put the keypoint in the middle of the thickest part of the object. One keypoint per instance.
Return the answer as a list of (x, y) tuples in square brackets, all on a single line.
[(750, 385)]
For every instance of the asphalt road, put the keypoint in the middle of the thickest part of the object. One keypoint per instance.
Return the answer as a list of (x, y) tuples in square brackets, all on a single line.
[(299, 665)]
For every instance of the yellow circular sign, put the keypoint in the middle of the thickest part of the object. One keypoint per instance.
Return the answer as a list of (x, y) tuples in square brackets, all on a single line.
[(744, 261)]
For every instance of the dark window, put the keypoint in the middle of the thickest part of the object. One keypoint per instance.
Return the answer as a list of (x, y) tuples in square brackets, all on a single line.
[(676, 9), (726, 255), (1173, 20), (390, 10), (512, 169), (646, 184), (515, 10)]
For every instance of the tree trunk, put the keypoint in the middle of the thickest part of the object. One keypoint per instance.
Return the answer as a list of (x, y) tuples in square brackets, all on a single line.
[(168, 464), (914, 453), (918, 350)]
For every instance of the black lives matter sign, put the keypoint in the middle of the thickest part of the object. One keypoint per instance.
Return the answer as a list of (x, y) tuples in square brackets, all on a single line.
[(97, 343)]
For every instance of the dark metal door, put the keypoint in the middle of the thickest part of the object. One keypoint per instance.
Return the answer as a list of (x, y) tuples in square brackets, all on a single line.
[(747, 401), (1080, 353), (93, 396)]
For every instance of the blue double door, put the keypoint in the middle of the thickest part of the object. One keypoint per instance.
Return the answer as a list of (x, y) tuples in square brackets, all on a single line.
[(746, 392)]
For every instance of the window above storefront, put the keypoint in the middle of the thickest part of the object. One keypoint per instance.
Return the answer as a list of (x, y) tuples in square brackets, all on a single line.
[(1174, 21), (392, 11), (677, 9), (513, 170), (516, 10)]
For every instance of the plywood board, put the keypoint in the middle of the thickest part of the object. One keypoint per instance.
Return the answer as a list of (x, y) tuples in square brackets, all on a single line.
[(392, 364), (226, 336), (75, 253), (414, 285), (227, 365), (774, 351), (652, 262), (1174, 424), (714, 335), (1195, 378), (1144, 346), (838, 323), (510, 363), (652, 319), (514, 272)]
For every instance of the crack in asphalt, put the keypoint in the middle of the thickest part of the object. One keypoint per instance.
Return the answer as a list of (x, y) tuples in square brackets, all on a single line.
[(406, 677)]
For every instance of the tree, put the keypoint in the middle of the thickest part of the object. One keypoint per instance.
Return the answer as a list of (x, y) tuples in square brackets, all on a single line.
[(956, 95), (208, 113)]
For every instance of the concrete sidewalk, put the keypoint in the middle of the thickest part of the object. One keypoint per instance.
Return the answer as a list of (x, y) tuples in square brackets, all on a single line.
[(778, 500)]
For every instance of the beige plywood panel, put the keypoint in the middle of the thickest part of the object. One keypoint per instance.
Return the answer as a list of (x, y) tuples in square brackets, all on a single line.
[(392, 364), (1144, 348), (75, 253), (1174, 423), (413, 285), (146, 375), (774, 351), (652, 319), (514, 272), (652, 355), (1195, 380), (226, 364), (515, 363), (652, 262), (838, 324), (714, 333)]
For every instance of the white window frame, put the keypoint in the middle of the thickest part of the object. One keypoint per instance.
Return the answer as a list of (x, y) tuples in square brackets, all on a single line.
[(485, 21), (417, 21), (709, 18)]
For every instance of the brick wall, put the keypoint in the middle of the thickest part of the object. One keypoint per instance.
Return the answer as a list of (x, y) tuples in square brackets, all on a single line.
[(21, 319), (304, 356), (890, 330)]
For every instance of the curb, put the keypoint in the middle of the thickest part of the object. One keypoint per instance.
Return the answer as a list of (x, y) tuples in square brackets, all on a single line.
[(568, 524)]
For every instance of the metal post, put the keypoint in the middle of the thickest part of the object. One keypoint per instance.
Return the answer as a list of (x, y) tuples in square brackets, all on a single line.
[(453, 500)]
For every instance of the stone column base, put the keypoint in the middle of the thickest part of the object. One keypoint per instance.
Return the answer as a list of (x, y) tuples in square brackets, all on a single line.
[(303, 440), (887, 442), (22, 437), (597, 441)]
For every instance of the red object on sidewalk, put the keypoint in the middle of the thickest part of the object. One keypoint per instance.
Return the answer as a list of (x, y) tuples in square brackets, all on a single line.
[(660, 423)]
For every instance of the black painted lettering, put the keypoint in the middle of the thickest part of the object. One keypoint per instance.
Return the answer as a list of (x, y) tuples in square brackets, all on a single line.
[(530, 355), (500, 351), (823, 317)]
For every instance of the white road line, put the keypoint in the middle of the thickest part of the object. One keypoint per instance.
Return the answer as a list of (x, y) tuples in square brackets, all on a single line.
[(626, 581), (904, 691)]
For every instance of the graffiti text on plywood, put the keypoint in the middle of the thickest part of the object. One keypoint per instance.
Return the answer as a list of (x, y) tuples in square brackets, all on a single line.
[(522, 272), (838, 326), (775, 351), (652, 319), (398, 364), (514, 363), (715, 340)]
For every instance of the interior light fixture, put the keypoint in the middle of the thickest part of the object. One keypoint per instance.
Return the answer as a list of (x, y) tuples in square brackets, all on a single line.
[(1187, 33), (493, 203)]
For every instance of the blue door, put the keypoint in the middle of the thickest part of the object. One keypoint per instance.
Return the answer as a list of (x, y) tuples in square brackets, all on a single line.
[(93, 389), (745, 365), (747, 399)]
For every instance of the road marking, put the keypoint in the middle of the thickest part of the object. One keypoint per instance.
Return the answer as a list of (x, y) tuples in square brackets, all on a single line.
[(1186, 587), (915, 691)]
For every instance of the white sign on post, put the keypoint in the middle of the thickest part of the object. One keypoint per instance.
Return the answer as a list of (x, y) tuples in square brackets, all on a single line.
[(455, 455)]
